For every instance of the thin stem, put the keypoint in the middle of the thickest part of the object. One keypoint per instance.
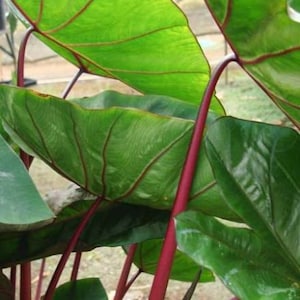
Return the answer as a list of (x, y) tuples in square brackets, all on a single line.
[(40, 280), (25, 282), (13, 277), (21, 57), (70, 247), (132, 280), (121, 288), (71, 84), (76, 266), (163, 270), (190, 292)]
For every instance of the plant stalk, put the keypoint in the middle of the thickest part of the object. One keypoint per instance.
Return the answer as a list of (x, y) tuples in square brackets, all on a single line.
[(25, 281), (163, 270), (76, 265), (71, 84), (70, 247), (122, 288), (40, 280)]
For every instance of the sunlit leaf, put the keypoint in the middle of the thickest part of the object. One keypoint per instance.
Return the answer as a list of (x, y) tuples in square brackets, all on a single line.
[(83, 289), (146, 44), (20, 203), (267, 44)]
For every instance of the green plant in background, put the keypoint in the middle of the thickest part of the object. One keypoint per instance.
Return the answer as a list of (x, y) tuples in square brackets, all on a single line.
[(137, 159)]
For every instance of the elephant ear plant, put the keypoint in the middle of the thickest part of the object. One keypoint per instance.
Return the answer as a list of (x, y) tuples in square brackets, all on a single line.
[(144, 183)]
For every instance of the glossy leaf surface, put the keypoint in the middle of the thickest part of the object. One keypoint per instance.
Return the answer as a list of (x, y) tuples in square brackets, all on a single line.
[(126, 154), (267, 44), (112, 225), (246, 263), (20, 203), (146, 44), (83, 289), (258, 169), (183, 269)]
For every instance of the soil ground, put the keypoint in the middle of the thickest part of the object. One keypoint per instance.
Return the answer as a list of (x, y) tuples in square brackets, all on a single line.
[(52, 74)]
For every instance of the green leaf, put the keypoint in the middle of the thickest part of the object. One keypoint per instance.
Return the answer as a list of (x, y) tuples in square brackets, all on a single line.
[(124, 153), (113, 225), (146, 44), (20, 203), (183, 269), (83, 289), (247, 264), (258, 171), (267, 44)]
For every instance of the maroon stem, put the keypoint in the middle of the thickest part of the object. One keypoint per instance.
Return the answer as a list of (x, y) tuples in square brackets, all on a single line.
[(70, 247), (25, 282), (40, 280), (122, 288), (71, 84), (21, 57), (76, 266), (13, 276), (163, 270)]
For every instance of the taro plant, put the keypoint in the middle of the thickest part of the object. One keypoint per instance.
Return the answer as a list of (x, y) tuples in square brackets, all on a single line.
[(144, 183)]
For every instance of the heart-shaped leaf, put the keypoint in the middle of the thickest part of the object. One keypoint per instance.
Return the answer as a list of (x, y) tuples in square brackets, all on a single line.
[(266, 41), (124, 153), (20, 203), (146, 44)]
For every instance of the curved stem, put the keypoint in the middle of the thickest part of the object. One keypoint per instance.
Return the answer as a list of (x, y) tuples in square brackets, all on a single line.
[(122, 288), (70, 247), (21, 57), (163, 270), (190, 292)]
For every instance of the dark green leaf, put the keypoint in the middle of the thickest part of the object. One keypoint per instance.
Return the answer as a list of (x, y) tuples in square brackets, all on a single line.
[(112, 225), (246, 263), (6, 289), (258, 170), (83, 289), (183, 269), (20, 203), (267, 44)]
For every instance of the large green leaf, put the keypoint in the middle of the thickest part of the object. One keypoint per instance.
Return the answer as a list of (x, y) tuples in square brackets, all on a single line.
[(124, 153), (113, 225), (146, 44), (246, 263), (183, 268), (83, 289), (20, 203), (267, 44), (258, 169)]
